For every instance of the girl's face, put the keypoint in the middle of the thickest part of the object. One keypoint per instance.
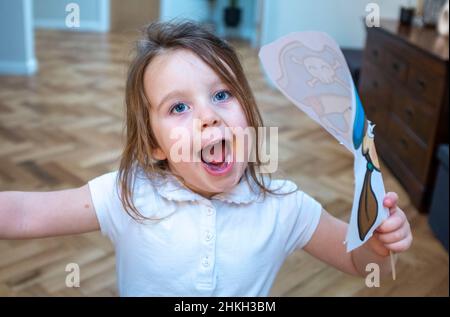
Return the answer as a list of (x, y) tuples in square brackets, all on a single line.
[(191, 109)]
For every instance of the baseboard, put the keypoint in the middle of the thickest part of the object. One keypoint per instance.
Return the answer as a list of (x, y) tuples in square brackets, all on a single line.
[(91, 26), (18, 68)]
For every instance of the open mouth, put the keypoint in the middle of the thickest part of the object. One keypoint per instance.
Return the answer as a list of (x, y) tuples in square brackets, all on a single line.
[(217, 157)]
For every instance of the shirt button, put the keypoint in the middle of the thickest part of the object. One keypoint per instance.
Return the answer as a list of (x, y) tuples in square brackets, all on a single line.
[(205, 262), (210, 211), (208, 236)]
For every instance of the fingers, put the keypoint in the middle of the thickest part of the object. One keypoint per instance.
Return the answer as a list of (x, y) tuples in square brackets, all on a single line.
[(401, 245), (395, 236), (394, 222), (390, 200)]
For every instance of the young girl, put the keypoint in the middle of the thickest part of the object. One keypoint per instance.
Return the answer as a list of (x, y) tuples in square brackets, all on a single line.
[(210, 226)]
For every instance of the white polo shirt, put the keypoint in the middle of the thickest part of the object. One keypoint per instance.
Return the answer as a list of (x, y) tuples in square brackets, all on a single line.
[(231, 245)]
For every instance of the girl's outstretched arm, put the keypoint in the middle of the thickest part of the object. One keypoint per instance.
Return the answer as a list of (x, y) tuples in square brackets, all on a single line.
[(394, 234), (25, 215)]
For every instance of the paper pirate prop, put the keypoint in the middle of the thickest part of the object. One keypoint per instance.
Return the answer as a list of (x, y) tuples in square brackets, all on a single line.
[(310, 70)]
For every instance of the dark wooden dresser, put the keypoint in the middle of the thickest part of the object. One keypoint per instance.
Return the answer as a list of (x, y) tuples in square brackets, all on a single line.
[(404, 89)]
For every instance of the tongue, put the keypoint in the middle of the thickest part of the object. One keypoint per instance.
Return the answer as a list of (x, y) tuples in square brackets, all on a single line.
[(215, 154)]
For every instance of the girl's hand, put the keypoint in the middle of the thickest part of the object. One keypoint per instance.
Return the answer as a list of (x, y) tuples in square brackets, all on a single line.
[(394, 234)]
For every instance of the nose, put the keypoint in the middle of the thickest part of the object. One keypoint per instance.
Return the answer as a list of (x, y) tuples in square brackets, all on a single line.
[(208, 117)]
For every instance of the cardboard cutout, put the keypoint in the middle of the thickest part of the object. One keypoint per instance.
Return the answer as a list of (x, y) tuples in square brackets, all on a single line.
[(310, 70)]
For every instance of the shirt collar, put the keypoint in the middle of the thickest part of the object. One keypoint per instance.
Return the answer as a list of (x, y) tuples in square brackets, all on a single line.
[(243, 193)]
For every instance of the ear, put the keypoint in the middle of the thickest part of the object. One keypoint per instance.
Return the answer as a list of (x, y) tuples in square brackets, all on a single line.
[(159, 155)]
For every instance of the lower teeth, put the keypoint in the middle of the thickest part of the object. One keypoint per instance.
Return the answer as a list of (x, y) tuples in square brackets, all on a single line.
[(217, 166)]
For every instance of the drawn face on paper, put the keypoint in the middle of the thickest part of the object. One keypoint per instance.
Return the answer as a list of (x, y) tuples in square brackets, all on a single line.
[(320, 69), (316, 80)]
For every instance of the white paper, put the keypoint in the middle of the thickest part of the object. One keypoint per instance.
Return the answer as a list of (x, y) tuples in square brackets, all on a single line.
[(311, 71)]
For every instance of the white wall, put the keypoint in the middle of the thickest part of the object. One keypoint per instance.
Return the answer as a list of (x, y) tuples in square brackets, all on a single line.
[(17, 38), (51, 14), (342, 19), (196, 10)]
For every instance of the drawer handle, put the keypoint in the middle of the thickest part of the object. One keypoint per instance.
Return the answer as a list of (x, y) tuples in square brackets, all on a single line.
[(396, 66), (404, 143), (375, 84), (409, 113), (421, 84)]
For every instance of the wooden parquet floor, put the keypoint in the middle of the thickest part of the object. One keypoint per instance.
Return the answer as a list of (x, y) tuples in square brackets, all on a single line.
[(63, 127)]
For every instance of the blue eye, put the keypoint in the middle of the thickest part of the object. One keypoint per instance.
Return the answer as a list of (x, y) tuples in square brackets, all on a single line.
[(222, 96), (179, 108)]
